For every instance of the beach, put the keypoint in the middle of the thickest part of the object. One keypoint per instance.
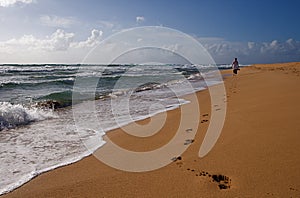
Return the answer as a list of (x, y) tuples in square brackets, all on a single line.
[(256, 155)]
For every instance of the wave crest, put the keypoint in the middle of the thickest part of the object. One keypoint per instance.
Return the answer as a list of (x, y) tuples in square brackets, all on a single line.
[(12, 115)]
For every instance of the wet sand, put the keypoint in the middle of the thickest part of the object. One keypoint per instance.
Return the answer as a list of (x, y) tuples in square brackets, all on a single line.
[(256, 155)]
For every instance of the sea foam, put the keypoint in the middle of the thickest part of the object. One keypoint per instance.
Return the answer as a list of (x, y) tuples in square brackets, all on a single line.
[(15, 115)]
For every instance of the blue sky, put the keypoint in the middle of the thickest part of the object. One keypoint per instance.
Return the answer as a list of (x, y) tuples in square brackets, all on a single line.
[(56, 30)]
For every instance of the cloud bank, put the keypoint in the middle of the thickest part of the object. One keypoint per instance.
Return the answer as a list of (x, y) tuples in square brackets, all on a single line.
[(252, 52), (61, 46)]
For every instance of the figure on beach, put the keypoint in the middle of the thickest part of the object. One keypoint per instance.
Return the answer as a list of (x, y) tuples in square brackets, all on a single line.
[(235, 66)]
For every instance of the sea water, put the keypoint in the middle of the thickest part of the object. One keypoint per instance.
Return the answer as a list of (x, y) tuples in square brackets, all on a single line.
[(37, 128)]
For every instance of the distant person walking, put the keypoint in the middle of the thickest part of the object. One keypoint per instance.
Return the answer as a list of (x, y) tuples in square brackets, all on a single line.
[(235, 66)]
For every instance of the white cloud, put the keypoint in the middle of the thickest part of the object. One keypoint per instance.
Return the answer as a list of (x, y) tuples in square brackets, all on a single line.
[(91, 41), (8, 3), (59, 47), (290, 42), (56, 21), (274, 44), (251, 45), (58, 41), (140, 19)]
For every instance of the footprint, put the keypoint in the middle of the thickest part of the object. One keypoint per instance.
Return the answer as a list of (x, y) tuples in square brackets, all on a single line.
[(205, 115), (174, 159), (179, 164), (222, 180), (189, 130), (202, 121), (293, 189), (178, 161), (189, 141)]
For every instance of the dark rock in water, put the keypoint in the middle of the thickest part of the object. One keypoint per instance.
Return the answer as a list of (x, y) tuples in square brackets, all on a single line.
[(56, 104), (52, 104), (63, 99), (56, 100)]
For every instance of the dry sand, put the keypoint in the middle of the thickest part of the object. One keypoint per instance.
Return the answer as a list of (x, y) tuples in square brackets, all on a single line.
[(257, 153)]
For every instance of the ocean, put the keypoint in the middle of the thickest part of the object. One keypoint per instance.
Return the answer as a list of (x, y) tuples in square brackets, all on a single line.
[(37, 127)]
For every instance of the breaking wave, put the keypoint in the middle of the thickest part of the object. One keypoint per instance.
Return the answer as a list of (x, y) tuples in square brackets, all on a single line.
[(12, 115)]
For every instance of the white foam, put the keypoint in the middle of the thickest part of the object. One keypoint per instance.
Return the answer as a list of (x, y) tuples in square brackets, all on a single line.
[(30, 175), (15, 115), (42, 146)]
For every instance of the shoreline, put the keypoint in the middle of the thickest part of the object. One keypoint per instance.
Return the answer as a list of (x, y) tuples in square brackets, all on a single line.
[(87, 154), (183, 101), (88, 176)]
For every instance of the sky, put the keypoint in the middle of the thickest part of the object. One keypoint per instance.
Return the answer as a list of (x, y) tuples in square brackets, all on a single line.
[(64, 31)]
